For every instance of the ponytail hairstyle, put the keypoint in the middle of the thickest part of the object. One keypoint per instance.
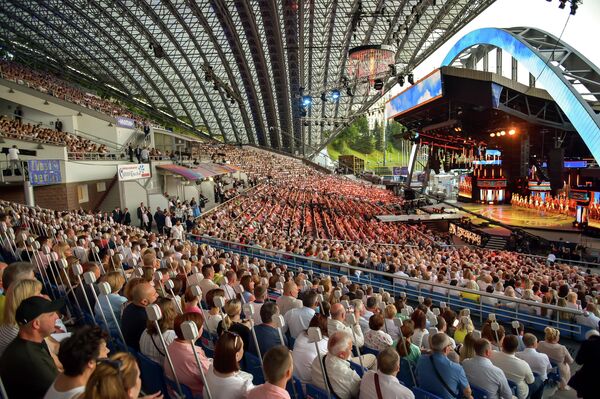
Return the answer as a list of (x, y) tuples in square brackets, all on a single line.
[(233, 307), (113, 378)]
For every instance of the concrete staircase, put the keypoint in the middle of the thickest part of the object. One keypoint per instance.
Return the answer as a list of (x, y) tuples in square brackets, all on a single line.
[(496, 242)]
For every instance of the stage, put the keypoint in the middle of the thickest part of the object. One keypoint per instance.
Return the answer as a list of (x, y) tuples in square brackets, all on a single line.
[(522, 217)]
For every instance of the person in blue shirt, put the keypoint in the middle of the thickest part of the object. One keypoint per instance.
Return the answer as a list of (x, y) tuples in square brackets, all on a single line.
[(441, 376), (266, 333)]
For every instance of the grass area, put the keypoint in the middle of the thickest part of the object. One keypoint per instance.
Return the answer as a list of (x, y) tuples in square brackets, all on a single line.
[(372, 160)]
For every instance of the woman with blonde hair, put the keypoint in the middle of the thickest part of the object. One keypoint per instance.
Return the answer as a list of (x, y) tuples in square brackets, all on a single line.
[(464, 327), (557, 353), (467, 349), (233, 322), (150, 344), (117, 377), (389, 313), (16, 293)]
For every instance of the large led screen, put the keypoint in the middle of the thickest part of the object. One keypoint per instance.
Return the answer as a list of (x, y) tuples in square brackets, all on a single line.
[(422, 92)]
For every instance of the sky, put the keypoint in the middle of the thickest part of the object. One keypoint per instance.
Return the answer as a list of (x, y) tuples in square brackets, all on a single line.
[(582, 31)]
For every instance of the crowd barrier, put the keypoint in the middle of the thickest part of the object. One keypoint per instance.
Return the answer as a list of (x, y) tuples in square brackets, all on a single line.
[(481, 304)]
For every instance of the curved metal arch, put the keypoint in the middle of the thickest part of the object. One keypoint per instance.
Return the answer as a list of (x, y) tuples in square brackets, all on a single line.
[(550, 76), (48, 38), (185, 26), (168, 33), (144, 29), (107, 53)]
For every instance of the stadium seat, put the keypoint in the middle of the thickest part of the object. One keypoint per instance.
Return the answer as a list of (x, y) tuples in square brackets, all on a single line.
[(252, 365), (358, 368), (406, 374), (294, 388), (366, 350), (513, 387), (152, 374), (174, 393), (423, 394), (313, 392), (479, 393)]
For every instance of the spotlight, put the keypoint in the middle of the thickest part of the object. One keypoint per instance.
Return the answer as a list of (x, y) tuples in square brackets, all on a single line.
[(503, 133), (324, 97), (306, 101), (411, 79), (511, 132), (574, 6), (492, 134), (349, 91), (562, 4), (378, 85), (401, 80), (335, 95)]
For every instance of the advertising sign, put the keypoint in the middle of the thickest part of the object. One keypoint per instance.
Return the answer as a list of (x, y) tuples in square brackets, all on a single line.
[(127, 123), (44, 171), (134, 172)]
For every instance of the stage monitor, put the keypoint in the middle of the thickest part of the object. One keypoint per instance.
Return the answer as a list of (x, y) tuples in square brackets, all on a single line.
[(424, 91)]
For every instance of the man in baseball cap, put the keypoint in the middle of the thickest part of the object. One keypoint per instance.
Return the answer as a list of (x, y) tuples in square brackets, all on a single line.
[(26, 367)]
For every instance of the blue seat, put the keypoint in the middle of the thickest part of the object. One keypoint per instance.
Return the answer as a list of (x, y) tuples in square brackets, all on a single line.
[(479, 393), (294, 388), (513, 387), (174, 393), (366, 350), (423, 394), (406, 374), (358, 368), (252, 365), (312, 392), (152, 374)]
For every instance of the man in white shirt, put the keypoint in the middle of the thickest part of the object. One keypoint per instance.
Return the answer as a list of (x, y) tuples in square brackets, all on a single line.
[(337, 323), (177, 231), (229, 286), (13, 157), (388, 366), (538, 362), (207, 284), (297, 320), (344, 381), (482, 374), (289, 298), (515, 369), (589, 318)]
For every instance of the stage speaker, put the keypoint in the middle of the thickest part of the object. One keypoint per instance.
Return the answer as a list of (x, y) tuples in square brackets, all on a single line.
[(409, 194), (556, 162)]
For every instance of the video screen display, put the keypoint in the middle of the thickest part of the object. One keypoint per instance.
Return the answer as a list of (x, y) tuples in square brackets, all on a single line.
[(465, 186), (422, 92)]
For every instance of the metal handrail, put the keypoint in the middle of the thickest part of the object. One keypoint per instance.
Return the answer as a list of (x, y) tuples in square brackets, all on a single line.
[(287, 255)]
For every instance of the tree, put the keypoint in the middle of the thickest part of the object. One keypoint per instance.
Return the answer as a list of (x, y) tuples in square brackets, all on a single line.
[(378, 133), (394, 134)]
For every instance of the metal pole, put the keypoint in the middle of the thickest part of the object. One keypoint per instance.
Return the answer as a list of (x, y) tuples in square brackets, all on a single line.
[(105, 291), (191, 333)]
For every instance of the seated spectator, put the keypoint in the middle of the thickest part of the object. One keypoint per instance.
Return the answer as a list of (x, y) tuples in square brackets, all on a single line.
[(116, 377), (405, 347), (586, 381), (260, 293), (288, 300), (517, 370), (112, 303), (247, 284), (191, 302), (390, 327), (28, 355), (11, 273), (182, 355), (297, 319), (224, 378), (78, 355), (467, 349), (483, 374), (214, 313), (277, 368), (338, 323), (465, 326), (438, 374), (150, 342), (383, 382), (420, 327), (305, 352), (207, 284), (134, 317), (266, 332), (537, 361), (375, 337), (17, 293), (557, 353), (233, 322), (341, 379)]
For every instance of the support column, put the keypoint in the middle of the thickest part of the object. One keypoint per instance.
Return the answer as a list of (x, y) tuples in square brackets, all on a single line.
[(499, 61), (29, 197)]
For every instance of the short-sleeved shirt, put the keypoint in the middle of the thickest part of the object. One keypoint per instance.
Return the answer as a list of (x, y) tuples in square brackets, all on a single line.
[(452, 373), (27, 369)]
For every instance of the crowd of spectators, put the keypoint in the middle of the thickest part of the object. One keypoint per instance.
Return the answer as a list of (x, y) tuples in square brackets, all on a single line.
[(56, 87), (17, 129), (295, 209)]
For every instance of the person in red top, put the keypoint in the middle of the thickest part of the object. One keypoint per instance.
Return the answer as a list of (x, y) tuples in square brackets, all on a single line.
[(278, 368)]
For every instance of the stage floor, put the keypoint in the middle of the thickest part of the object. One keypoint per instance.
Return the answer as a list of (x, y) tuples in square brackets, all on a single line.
[(522, 217)]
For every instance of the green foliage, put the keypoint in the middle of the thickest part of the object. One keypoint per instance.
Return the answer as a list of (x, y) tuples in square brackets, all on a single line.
[(394, 134), (364, 143), (378, 134)]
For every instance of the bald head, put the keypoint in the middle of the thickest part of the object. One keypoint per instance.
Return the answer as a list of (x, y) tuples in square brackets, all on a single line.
[(290, 289), (338, 312), (144, 294)]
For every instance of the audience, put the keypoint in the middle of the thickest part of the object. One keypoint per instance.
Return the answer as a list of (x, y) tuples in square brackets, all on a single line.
[(517, 370), (278, 367), (383, 382), (267, 334), (298, 319), (305, 351), (483, 374), (557, 353), (375, 337), (537, 361), (150, 342), (16, 294), (134, 318), (585, 381)]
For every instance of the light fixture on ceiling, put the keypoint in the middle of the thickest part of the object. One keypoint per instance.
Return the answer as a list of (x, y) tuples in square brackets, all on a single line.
[(411, 79)]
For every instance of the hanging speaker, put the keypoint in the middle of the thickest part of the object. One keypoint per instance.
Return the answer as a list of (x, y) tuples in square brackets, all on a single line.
[(556, 162)]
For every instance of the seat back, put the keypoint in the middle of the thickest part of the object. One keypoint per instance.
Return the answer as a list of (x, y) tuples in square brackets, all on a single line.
[(294, 388), (252, 365), (479, 393), (366, 350), (152, 374), (358, 368), (174, 392), (313, 392), (423, 394), (406, 374), (513, 387)]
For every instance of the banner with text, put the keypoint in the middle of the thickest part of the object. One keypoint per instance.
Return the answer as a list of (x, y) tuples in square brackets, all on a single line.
[(44, 171), (127, 123), (134, 172)]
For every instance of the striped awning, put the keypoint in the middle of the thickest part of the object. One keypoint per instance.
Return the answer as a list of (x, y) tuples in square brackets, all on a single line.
[(202, 171)]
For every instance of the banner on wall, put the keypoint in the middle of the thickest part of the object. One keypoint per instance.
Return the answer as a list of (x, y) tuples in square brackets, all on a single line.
[(127, 123), (134, 172), (44, 171)]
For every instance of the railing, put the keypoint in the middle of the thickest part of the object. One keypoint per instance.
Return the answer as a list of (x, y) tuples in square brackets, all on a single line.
[(94, 156), (506, 310)]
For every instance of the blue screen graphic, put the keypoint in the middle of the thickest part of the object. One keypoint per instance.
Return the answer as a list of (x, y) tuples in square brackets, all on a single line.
[(424, 91)]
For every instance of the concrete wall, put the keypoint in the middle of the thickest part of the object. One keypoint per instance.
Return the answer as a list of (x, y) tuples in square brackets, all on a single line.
[(47, 152), (35, 116), (76, 171)]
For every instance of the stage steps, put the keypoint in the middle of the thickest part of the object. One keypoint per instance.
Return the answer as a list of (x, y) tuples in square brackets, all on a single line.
[(495, 242)]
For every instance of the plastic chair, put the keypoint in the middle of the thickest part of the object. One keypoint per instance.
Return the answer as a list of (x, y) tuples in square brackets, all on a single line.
[(152, 374), (296, 384), (252, 365), (479, 393), (313, 392), (174, 393), (406, 374), (423, 394)]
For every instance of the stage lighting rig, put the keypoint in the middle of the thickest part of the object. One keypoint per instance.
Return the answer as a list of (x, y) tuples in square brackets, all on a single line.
[(306, 101), (411, 79)]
